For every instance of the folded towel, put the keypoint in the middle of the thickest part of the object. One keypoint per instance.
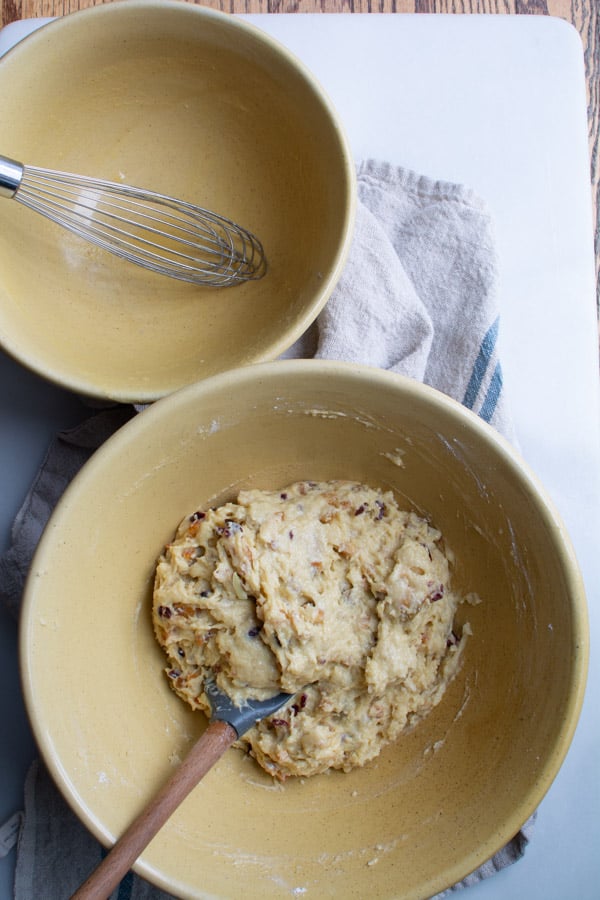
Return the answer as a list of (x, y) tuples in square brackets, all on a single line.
[(418, 296)]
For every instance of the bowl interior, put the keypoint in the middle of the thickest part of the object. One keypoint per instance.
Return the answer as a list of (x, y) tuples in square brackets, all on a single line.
[(187, 102), (435, 804)]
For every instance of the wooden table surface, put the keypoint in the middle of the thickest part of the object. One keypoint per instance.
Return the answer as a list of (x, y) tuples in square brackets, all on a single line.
[(583, 14)]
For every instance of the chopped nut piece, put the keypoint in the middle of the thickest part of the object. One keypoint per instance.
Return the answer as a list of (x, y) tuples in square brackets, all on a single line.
[(238, 587)]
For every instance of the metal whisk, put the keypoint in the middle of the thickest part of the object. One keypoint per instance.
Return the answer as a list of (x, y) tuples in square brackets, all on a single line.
[(152, 230)]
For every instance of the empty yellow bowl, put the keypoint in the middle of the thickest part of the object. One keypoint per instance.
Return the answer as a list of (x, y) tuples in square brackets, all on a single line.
[(434, 805), (189, 102)]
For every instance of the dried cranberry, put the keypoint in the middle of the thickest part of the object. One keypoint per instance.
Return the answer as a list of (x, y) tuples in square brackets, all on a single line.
[(300, 704)]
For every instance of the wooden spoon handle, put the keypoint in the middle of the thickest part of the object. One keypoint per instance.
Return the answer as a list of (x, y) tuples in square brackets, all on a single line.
[(203, 755)]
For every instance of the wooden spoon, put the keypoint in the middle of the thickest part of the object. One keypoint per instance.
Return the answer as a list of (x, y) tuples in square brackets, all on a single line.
[(227, 723)]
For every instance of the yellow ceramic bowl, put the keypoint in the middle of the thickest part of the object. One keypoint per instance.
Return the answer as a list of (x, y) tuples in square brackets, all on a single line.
[(189, 102), (438, 802)]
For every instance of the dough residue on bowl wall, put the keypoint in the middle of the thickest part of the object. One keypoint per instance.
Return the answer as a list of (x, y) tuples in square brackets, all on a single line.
[(328, 591)]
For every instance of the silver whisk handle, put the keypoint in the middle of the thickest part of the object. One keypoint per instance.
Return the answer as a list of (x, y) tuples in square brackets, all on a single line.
[(11, 173)]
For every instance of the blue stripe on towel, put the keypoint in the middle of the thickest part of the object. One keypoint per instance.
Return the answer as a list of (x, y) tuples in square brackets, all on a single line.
[(482, 362), (493, 393)]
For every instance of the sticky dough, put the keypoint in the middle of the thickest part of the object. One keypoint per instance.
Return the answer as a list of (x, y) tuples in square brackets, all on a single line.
[(326, 590)]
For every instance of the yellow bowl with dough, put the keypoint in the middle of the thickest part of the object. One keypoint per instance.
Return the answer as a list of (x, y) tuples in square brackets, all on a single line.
[(189, 102), (435, 804)]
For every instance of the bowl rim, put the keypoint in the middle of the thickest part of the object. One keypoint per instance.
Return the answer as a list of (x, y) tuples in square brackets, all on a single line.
[(145, 421), (277, 345)]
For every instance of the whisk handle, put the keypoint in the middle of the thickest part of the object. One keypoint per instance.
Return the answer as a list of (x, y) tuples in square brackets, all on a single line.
[(11, 173)]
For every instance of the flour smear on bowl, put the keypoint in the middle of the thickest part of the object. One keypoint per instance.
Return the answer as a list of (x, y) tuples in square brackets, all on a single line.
[(326, 590)]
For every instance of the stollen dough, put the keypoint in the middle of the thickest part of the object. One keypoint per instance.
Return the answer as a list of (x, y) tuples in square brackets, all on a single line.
[(328, 591)]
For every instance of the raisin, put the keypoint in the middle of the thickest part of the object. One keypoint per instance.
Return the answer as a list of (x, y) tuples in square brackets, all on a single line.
[(165, 612), (300, 704)]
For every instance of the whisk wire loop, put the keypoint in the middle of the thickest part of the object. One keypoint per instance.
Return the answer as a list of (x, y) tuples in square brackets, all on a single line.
[(156, 231)]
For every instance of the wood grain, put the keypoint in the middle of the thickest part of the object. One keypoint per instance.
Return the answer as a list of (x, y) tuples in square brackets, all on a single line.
[(584, 15), (209, 748)]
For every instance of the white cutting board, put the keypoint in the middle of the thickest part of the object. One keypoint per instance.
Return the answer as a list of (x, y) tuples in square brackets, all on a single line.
[(498, 103)]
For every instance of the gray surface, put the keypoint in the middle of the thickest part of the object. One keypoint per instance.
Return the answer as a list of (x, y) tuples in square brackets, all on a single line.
[(31, 411)]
